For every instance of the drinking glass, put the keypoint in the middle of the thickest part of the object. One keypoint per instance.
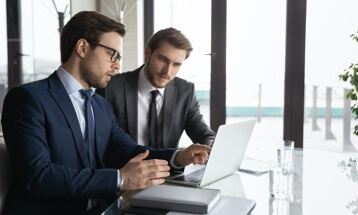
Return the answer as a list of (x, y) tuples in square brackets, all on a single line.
[(285, 151), (280, 179), (279, 206)]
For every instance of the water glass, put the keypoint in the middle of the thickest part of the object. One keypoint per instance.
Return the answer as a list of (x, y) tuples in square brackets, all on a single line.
[(280, 179), (279, 206), (285, 151)]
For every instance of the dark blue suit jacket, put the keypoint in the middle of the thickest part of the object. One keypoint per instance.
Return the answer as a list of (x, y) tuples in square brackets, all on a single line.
[(46, 148)]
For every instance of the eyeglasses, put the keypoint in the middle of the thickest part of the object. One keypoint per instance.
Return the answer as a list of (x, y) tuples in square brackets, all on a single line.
[(115, 55)]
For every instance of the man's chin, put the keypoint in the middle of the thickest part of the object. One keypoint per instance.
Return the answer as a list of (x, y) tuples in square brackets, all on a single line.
[(101, 85), (161, 84)]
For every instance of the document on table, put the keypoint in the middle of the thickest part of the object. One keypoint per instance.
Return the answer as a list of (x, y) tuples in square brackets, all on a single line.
[(255, 166), (227, 205)]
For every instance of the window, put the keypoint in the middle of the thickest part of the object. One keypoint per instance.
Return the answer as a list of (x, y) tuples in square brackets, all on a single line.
[(3, 54), (40, 37), (329, 51), (256, 68)]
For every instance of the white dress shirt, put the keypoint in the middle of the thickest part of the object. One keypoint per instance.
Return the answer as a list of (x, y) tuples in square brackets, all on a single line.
[(144, 100)]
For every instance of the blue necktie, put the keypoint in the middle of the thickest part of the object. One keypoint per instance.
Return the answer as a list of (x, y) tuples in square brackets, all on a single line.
[(89, 131), (153, 140)]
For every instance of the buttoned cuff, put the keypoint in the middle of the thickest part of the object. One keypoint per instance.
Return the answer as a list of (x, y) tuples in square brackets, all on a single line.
[(172, 164)]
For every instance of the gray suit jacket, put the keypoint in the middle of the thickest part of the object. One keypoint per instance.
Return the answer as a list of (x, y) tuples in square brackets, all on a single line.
[(181, 109)]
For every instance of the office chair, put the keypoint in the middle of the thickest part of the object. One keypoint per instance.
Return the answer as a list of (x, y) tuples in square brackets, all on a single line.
[(5, 174)]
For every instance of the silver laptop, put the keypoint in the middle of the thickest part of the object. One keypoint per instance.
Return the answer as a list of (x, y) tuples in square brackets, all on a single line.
[(226, 155)]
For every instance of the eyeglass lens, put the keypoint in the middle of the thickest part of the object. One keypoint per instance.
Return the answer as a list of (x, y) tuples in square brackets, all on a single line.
[(116, 56)]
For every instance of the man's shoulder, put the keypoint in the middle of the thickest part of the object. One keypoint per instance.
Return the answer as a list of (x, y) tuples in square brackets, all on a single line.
[(38, 84), (125, 76), (181, 82), (33, 89)]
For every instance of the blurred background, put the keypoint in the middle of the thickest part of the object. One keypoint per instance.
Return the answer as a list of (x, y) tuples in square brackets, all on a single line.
[(254, 36)]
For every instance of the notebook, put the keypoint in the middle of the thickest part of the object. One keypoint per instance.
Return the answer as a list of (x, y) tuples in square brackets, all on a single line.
[(177, 198), (226, 155)]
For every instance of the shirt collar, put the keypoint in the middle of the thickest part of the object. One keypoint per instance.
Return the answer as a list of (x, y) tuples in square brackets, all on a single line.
[(144, 86), (69, 82)]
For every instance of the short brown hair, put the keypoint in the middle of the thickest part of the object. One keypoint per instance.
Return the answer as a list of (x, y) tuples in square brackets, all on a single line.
[(88, 25), (174, 37)]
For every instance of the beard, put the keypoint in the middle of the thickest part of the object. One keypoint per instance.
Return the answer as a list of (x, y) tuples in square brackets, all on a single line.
[(89, 75), (151, 76), (148, 72)]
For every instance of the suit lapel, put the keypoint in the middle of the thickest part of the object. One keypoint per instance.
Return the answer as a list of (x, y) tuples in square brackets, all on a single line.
[(59, 94), (131, 99), (170, 96)]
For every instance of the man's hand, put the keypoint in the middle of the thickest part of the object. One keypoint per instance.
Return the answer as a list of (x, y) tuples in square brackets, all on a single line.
[(195, 153), (139, 173)]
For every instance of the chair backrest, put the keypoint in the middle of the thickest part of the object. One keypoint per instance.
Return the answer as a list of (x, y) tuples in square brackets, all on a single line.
[(5, 174)]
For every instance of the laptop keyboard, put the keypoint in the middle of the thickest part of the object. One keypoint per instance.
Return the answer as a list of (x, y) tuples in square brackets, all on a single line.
[(194, 176)]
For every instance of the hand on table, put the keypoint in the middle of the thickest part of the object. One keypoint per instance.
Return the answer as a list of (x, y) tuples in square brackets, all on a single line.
[(139, 173)]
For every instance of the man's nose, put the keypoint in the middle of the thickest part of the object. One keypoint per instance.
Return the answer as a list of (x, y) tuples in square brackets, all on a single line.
[(116, 65), (168, 68)]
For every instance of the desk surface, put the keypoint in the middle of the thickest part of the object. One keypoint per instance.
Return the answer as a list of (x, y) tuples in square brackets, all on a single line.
[(324, 183)]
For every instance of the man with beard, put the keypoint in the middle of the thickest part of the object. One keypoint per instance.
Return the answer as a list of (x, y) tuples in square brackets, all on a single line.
[(66, 147), (177, 108)]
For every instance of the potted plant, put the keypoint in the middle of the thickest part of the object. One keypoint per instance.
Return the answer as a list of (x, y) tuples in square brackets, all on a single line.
[(351, 75)]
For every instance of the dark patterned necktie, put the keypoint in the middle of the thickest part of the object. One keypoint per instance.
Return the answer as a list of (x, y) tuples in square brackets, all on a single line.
[(89, 131)]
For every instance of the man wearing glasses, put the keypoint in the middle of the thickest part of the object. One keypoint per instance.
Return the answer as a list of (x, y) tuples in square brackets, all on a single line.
[(114, 53), (175, 104), (65, 144)]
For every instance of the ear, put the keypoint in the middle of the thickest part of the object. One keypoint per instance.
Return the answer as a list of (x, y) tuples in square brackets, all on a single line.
[(81, 47), (147, 53)]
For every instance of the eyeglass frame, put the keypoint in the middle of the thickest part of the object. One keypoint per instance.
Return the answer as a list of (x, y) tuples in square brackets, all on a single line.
[(116, 56)]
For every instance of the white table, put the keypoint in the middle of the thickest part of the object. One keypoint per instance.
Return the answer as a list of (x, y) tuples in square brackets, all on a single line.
[(324, 183)]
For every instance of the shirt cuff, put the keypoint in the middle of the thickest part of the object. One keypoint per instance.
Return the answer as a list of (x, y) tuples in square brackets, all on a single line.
[(172, 164), (119, 179)]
